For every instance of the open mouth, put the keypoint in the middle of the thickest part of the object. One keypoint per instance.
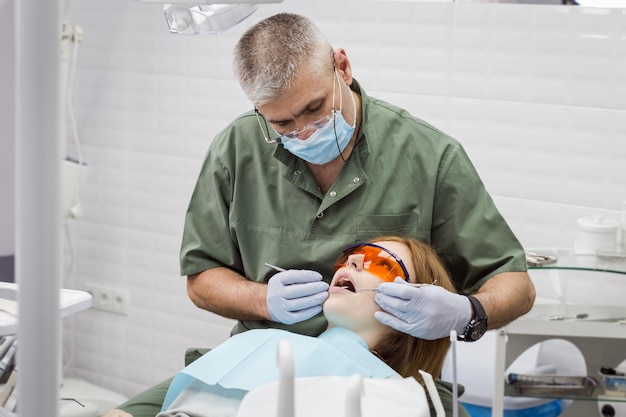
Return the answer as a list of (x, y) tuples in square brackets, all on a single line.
[(345, 284)]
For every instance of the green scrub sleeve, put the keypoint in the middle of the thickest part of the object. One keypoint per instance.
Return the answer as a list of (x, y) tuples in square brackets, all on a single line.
[(469, 232), (207, 242)]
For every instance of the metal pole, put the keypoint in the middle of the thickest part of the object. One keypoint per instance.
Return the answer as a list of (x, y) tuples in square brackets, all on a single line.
[(497, 403), (38, 237)]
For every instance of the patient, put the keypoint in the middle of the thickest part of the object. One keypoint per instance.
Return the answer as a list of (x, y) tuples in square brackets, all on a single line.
[(376, 351)]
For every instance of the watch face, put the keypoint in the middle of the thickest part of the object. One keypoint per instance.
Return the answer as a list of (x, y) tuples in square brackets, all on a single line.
[(478, 330)]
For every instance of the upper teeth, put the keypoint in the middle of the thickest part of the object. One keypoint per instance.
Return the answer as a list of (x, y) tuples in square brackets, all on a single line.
[(345, 283)]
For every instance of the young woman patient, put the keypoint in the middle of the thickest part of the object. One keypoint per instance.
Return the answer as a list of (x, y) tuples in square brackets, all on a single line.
[(375, 350)]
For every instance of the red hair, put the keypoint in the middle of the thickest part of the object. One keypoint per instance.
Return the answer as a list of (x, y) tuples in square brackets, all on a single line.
[(402, 352)]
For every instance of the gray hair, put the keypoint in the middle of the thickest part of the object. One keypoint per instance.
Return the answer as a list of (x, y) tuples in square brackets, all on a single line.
[(270, 53)]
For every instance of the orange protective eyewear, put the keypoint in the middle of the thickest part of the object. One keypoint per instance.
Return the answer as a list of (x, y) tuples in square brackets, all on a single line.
[(379, 261)]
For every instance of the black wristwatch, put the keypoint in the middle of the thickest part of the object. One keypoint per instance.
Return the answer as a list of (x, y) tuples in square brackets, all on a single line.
[(477, 326)]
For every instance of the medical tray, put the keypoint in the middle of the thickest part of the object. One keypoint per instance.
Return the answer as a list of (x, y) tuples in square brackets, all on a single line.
[(555, 385)]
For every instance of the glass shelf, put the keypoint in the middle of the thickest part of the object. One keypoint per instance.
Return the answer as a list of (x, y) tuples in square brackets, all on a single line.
[(608, 261)]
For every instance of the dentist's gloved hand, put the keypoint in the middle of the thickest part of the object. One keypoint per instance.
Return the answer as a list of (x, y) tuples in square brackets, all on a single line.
[(428, 312), (295, 295)]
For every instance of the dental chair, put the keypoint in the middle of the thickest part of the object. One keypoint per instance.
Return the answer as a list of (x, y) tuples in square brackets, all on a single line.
[(550, 357), (338, 396)]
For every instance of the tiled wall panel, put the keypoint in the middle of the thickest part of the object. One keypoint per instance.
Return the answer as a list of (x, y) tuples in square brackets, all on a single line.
[(537, 95)]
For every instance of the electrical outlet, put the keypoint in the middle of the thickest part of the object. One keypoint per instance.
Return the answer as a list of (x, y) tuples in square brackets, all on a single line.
[(119, 301), (113, 300)]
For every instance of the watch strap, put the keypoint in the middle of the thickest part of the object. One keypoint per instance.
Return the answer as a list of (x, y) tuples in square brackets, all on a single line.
[(479, 310)]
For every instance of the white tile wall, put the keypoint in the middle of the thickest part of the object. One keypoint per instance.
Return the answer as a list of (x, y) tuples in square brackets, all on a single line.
[(7, 130), (536, 93)]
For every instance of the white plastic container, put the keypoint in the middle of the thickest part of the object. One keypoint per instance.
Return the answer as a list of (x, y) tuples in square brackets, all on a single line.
[(596, 233), (73, 176)]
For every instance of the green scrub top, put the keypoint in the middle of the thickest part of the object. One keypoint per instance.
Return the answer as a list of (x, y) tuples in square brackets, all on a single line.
[(255, 202)]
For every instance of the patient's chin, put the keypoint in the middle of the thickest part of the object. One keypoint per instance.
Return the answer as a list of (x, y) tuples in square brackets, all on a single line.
[(358, 316), (335, 312)]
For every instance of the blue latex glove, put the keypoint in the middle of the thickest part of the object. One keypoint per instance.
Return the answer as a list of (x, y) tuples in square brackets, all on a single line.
[(428, 312), (295, 295)]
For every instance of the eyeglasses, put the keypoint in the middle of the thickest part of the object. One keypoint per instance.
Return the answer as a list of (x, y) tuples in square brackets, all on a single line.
[(377, 260), (310, 128)]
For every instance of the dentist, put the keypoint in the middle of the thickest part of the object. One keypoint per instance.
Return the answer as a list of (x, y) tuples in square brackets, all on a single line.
[(318, 165)]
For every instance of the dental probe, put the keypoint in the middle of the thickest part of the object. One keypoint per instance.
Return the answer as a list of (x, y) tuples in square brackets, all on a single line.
[(412, 285), (276, 268)]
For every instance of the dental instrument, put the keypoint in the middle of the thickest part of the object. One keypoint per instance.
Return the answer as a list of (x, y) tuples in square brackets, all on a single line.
[(455, 385), (279, 269), (577, 316), (354, 395), (276, 268), (286, 394)]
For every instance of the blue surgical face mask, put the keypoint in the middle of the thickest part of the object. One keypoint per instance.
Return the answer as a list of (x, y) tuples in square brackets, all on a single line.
[(326, 143)]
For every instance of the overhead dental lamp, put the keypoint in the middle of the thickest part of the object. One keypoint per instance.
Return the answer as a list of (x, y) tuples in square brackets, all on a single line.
[(193, 17)]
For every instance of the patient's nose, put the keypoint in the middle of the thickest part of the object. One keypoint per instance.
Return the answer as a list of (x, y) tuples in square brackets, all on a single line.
[(356, 261)]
